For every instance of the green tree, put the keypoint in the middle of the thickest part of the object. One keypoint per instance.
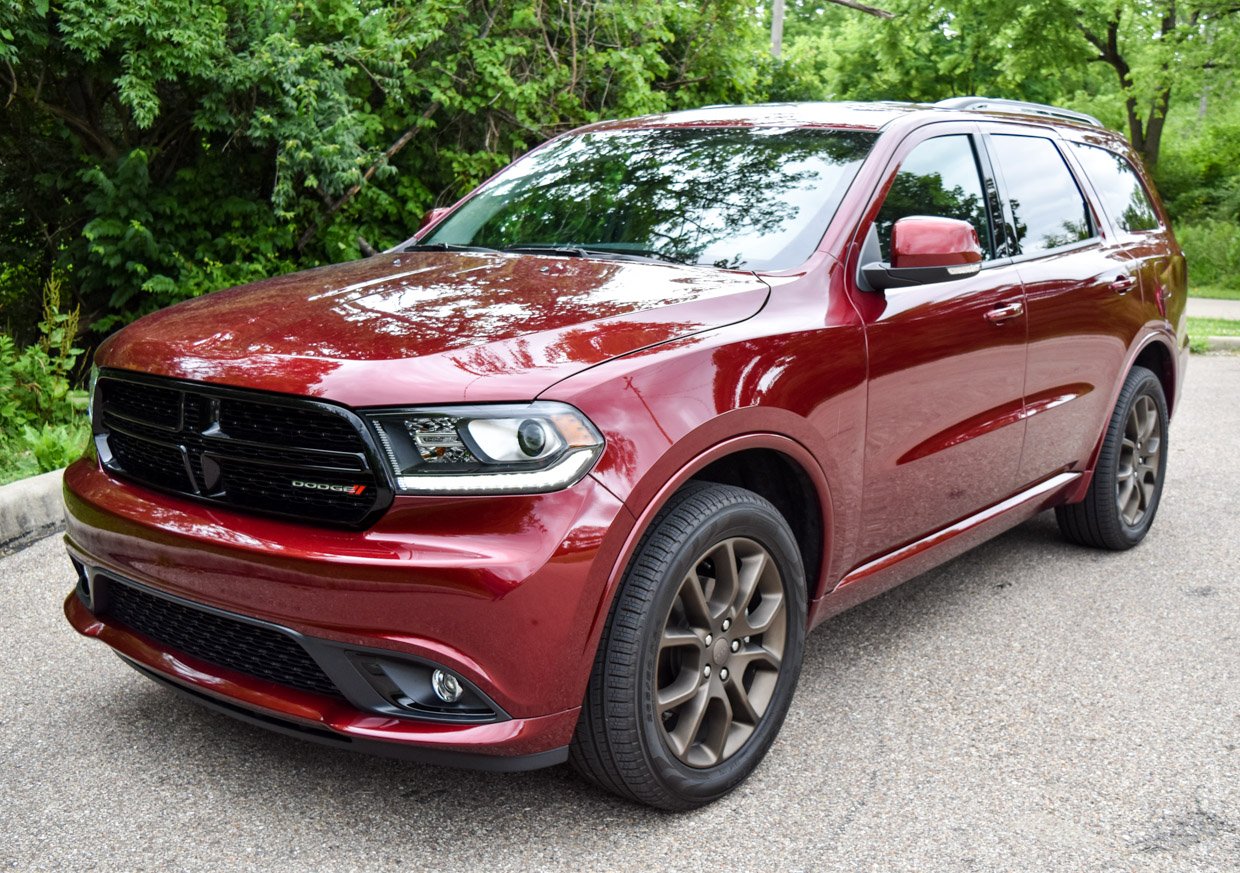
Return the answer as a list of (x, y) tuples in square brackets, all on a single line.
[(151, 150), (1124, 60)]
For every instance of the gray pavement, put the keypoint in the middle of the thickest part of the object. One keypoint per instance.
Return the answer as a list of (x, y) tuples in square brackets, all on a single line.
[(1204, 307), (1029, 706)]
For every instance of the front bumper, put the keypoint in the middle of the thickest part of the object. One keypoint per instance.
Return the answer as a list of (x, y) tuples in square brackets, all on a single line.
[(506, 592)]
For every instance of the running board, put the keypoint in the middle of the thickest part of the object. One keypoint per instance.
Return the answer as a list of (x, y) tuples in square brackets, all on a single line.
[(883, 573)]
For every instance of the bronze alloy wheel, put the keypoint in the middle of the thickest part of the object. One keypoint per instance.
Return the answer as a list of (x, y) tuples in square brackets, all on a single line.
[(1136, 479), (721, 652)]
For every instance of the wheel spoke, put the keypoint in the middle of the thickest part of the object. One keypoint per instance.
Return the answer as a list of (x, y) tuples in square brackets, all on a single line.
[(694, 600), (742, 707), (719, 727), (679, 692), (727, 577), (679, 638), (690, 720), (752, 569), (1149, 417)]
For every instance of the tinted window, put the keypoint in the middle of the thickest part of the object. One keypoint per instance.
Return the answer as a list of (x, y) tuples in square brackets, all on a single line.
[(1047, 208), (753, 198), (1119, 186), (939, 177)]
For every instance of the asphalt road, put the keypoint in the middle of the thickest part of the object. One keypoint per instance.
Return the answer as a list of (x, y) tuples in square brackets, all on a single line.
[(1030, 706)]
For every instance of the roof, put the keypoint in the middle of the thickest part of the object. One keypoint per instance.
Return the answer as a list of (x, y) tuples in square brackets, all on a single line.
[(858, 116)]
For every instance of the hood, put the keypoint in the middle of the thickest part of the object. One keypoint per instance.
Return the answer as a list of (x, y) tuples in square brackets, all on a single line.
[(431, 327)]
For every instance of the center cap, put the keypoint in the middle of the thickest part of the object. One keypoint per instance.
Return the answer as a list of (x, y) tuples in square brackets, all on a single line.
[(719, 652)]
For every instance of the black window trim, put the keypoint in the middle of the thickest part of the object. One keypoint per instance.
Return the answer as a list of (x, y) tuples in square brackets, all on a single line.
[(1095, 239)]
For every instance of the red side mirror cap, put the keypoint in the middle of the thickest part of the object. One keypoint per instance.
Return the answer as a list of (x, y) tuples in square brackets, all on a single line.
[(930, 241)]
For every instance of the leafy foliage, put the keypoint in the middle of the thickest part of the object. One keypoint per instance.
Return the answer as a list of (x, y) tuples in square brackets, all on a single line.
[(156, 150), (42, 423)]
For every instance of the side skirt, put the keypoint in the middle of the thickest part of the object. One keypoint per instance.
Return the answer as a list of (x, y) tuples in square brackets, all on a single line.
[(886, 572)]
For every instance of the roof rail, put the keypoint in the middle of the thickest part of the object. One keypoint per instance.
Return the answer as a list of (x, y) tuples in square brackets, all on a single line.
[(978, 103)]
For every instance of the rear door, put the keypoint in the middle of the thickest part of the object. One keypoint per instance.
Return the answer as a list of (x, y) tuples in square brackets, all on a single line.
[(946, 361), (1081, 292), (1137, 226)]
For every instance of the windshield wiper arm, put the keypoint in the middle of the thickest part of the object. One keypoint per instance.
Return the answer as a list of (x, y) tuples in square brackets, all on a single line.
[(585, 251), (546, 249), (444, 247)]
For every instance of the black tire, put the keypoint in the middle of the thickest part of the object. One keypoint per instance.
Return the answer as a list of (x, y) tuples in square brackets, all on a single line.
[(625, 741), (1100, 521)]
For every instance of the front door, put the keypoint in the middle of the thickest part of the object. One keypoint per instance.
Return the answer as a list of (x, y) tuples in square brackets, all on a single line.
[(946, 361)]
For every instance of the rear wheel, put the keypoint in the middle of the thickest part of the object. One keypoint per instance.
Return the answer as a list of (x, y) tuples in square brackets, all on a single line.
[(700, 655), (1121, 502)]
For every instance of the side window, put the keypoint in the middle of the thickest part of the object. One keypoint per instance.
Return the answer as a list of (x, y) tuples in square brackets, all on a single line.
[(1123, 196), (939, 177), (1047, 207)]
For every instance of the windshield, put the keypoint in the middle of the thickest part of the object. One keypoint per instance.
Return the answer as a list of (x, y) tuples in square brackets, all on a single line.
[(738, 198)]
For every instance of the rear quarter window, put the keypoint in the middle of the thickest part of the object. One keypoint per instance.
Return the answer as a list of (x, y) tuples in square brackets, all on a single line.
[(1119, 187)]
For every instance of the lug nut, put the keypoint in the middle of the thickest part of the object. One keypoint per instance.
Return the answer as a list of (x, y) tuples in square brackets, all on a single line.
[(723, 674), (706, 671), (727, 623), (709, 639), (736, 645)]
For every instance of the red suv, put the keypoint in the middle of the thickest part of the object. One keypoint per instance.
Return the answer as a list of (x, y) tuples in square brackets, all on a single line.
[(569, 475)]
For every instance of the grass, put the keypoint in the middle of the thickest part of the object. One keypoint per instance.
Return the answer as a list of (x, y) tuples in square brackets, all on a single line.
[(1215, 292), (1200, 328)]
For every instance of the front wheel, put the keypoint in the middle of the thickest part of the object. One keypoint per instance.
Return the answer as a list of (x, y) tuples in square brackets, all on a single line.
[(700, 655), (1123, 497)]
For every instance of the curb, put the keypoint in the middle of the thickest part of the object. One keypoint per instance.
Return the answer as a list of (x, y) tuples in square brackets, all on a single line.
[(1222, 343), (30, 509)]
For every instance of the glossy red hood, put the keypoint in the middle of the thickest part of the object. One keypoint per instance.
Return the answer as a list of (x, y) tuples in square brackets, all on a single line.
[(431, 327)]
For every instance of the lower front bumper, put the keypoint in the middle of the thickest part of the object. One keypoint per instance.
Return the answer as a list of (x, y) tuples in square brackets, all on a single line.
[(467, 760), (505, 745)]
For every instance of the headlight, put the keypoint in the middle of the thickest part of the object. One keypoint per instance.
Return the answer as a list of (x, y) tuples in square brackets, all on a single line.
[(501, 449)]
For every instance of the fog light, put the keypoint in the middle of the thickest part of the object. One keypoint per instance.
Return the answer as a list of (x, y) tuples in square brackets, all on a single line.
[(447, 687)]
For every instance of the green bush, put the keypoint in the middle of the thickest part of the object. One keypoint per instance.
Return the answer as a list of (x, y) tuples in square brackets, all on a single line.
[(1212, 247), (42, 421)]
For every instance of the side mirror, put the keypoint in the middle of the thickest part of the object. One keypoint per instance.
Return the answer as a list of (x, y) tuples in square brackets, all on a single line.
[(431, 218), (927, 249)]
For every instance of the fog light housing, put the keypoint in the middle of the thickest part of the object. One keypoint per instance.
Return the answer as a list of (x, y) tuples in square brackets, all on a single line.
[(446, 686), (414, 688)]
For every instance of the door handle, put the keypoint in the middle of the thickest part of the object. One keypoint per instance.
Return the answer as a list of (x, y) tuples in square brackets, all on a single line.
[(1123, 284), (1005, 311)]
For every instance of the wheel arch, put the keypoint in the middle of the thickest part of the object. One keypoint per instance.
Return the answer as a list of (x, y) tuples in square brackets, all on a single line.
[(1157, 356), (798, 472)]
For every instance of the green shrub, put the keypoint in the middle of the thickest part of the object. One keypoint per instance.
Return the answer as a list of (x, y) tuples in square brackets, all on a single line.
[(42, 421), (1212, 248)]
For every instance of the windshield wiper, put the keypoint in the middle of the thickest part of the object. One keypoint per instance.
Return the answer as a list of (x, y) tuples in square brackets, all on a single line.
[(444, 247), (585, 251), (637, 254), (547, 249)]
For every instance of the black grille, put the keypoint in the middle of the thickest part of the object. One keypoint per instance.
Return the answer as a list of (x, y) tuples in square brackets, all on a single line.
[(239, 448), (226, 642)]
